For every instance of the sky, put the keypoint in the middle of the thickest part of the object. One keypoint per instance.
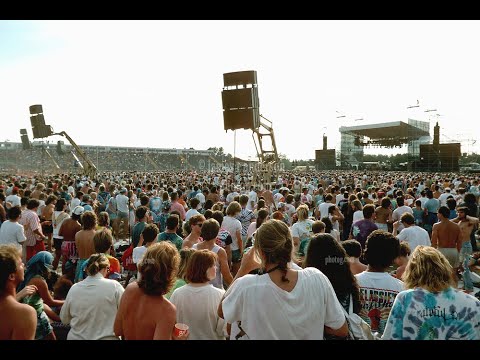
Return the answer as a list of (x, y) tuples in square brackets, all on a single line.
[(158, 83)]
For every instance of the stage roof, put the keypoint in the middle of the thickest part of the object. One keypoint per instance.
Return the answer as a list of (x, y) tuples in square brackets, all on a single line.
[(396, 129)]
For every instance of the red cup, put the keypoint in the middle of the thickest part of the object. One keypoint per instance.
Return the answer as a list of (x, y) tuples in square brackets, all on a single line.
[(180, 329)]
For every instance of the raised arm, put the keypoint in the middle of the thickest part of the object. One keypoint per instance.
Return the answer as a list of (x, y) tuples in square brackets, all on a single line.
[(45, 293)]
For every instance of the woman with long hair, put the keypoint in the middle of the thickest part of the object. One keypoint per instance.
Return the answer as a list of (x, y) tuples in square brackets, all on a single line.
[(282, 297), (91, 304), (262, 216), (58, 216), (432, 308), (38, 274), (185, 255), (329, 228), (327, 255), (144, 312), (302, 229)]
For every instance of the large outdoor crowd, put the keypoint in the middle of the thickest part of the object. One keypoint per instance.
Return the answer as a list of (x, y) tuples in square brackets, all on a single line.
[(342, 255)]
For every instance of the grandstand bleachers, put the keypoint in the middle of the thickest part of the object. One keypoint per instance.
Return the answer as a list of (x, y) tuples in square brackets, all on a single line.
[(106, 158)]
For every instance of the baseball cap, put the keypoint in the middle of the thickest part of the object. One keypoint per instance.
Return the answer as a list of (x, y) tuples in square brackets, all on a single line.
[(281, 205), (123, 190), (78, 210)]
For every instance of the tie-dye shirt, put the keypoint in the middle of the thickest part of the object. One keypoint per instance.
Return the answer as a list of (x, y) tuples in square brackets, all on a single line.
[(418, 314)]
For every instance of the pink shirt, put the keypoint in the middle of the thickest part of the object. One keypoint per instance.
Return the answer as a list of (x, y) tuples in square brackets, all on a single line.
[(175, 206), (30, 222)]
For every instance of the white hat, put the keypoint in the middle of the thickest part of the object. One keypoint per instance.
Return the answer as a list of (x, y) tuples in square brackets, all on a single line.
[(78, 210)]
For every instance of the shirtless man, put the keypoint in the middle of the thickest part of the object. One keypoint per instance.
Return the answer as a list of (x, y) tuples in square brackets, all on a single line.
[(84, 242), (144, 312), (68, 230), (19, 321), (447, 238), (466, 224), (46, 219), (194, 237)]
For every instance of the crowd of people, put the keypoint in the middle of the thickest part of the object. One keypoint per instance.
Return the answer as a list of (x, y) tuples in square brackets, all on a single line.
[(312, 255)]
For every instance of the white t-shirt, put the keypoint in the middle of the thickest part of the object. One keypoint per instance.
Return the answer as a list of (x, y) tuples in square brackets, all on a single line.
[(230, 197), (251, 229), (252, 196), (74, 203), (270, 313), (58, 218), (137, 253), (197, 306), (190, 213), (276, 198), (12, 233), (339, 198), (122, 203), (290, 210), (13, 199), (302, 229), (357, 215), (90, 308), (377, 294), (415, 235), (323, 208), (398, 212), (201, 198), (232, 225), (443, 198)]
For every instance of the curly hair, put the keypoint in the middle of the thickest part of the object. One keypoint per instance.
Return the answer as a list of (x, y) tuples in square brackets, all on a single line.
[(158, 268), (97, 262), (89, 220)]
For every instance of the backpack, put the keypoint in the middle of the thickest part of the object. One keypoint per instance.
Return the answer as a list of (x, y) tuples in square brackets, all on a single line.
[(127, 260), (358, 329)]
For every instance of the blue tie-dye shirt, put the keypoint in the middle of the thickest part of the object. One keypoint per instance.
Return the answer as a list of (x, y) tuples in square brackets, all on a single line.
[(418, 314)]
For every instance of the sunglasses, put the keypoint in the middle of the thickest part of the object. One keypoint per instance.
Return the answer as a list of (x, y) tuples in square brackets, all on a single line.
[(199, 224)]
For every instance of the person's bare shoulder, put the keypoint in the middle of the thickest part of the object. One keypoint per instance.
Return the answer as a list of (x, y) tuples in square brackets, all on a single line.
[(26, 323), (131, 288)]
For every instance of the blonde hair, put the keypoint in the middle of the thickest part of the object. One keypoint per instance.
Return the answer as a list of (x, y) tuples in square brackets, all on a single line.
[(274, 240), (428, 268), (357, 204), (185, 255), (302, 212), (217, 206), (97, 262)]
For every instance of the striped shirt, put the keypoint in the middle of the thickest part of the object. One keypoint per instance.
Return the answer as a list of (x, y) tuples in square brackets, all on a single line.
[(245, 217), (30, 222)]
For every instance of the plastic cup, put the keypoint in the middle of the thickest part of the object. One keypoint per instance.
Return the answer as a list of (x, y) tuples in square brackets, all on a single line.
[(180, 329)]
